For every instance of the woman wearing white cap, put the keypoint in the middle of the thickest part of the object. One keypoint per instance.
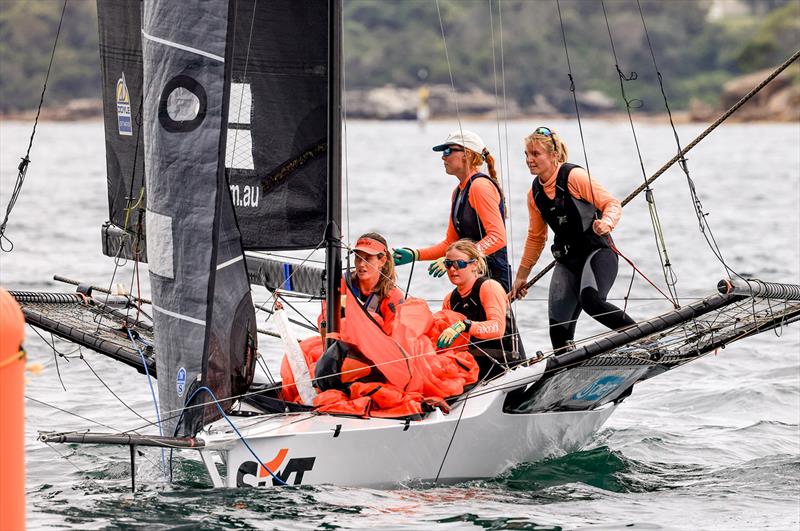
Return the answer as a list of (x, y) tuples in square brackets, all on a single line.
[(373, 281), (477, 211)]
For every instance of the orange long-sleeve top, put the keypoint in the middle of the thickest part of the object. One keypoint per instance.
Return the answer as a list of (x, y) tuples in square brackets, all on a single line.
[(484, 198), (579, 186), (495, 304)]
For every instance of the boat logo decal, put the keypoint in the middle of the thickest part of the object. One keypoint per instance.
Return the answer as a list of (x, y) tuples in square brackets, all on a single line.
[(598, 389), (180, 381), (124, 108), (253, 474)]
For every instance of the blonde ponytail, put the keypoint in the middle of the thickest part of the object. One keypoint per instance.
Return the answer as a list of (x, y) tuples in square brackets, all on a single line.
[(476, 160)]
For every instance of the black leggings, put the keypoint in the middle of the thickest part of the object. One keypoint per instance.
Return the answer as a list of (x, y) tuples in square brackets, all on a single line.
[(584, 288)]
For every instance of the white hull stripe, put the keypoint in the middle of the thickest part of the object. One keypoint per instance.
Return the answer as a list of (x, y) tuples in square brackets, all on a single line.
[(232, 261), (184, 47), (179, 316)]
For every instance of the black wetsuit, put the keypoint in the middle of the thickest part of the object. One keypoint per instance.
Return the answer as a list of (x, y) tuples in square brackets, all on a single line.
[(505, 350), (586, 266), (468, 225)]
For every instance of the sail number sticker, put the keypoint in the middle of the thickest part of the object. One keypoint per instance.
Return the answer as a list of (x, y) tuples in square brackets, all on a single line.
[(180, 381), (124, 108)]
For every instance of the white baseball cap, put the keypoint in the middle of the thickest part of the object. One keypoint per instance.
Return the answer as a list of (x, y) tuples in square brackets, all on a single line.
[(463, 138)]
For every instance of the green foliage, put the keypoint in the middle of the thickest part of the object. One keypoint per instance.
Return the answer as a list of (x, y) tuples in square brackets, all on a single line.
[(778, 32), (400, 42), (27, 33)]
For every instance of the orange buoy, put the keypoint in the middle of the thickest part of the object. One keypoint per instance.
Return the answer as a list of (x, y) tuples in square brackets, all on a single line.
[(12, 444)]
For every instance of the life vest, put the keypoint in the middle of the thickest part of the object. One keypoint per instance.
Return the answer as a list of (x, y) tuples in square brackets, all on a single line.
[(468, 225), (472, 308), (385, 307), (382, 306), (371, 374), (570, 219)]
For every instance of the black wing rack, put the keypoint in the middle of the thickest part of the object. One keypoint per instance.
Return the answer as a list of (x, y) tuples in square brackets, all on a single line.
[(105, 324)]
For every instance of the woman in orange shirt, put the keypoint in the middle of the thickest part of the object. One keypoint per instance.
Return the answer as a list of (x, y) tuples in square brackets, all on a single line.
[(581, 214), (477, 211), (484, 303), (373, 281)]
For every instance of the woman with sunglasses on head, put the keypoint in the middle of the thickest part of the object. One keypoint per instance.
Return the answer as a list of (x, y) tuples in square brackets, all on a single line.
[(581, 214), (484, 303), (477, 211), (373, 280)]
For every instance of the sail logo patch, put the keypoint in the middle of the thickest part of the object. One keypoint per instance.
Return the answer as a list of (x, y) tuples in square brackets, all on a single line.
[(180, 381), (124, 121), (253, 474), (598, 389)]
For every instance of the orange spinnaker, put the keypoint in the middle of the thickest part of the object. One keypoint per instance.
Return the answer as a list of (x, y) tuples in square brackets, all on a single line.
[(12, 443)]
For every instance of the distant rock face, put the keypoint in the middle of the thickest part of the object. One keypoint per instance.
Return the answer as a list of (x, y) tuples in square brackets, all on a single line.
[(778, 101), (396, 103)]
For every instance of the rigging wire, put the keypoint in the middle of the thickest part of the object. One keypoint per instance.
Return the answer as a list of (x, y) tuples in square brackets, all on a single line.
[(580, 130), (724, 116), (449, 67), (702, 219), (22, 169), (92, 421), (575, 100), (670, 278), (232, 425), (152, 394), (510, 240)]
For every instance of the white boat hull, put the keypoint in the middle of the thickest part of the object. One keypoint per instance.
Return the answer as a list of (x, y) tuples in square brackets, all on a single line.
[(312, 449)]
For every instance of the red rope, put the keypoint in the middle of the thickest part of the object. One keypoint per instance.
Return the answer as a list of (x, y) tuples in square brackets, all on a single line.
[(614, 248)]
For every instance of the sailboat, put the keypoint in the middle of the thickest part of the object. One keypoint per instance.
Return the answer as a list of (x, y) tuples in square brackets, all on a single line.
[(222, 125)]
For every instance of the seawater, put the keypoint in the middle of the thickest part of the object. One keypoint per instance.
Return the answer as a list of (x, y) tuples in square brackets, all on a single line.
[(713, 445)]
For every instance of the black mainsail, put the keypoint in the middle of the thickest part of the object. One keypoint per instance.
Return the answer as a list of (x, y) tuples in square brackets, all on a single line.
[(119, 24), (276, 128)]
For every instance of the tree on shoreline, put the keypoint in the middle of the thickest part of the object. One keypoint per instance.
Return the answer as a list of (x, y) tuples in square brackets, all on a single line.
[(400, 43)]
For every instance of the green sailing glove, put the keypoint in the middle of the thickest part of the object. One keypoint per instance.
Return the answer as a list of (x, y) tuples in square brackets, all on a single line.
[(437, 268), (448, 336), (405, 255)]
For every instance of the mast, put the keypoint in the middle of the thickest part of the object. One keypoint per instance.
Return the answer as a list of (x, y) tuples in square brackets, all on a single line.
[(333, 259)]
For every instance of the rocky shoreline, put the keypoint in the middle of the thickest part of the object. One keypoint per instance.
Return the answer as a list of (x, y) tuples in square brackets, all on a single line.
[(778, 101)]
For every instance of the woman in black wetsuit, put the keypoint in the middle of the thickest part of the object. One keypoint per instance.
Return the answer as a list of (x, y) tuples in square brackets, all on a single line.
[(581, 214)]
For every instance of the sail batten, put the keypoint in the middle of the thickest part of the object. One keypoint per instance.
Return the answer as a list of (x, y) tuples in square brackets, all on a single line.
[(183, 47)]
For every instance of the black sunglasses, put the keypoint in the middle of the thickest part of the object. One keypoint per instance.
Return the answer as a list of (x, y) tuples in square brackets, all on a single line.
[(457, 264), (547, 132), (448, 150)]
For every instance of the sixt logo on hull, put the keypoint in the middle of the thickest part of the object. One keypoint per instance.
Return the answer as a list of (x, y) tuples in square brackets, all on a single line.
[(252, 474), (598, 389), (124, 108)]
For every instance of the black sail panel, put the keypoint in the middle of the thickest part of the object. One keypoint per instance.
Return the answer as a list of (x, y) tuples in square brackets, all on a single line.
[(276, 129), (203, 314), (119, 24), (277, 125)]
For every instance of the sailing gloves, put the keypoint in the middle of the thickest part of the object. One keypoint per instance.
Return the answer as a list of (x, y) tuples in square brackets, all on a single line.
[(405, 255), (437, 268), (449, 335)]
